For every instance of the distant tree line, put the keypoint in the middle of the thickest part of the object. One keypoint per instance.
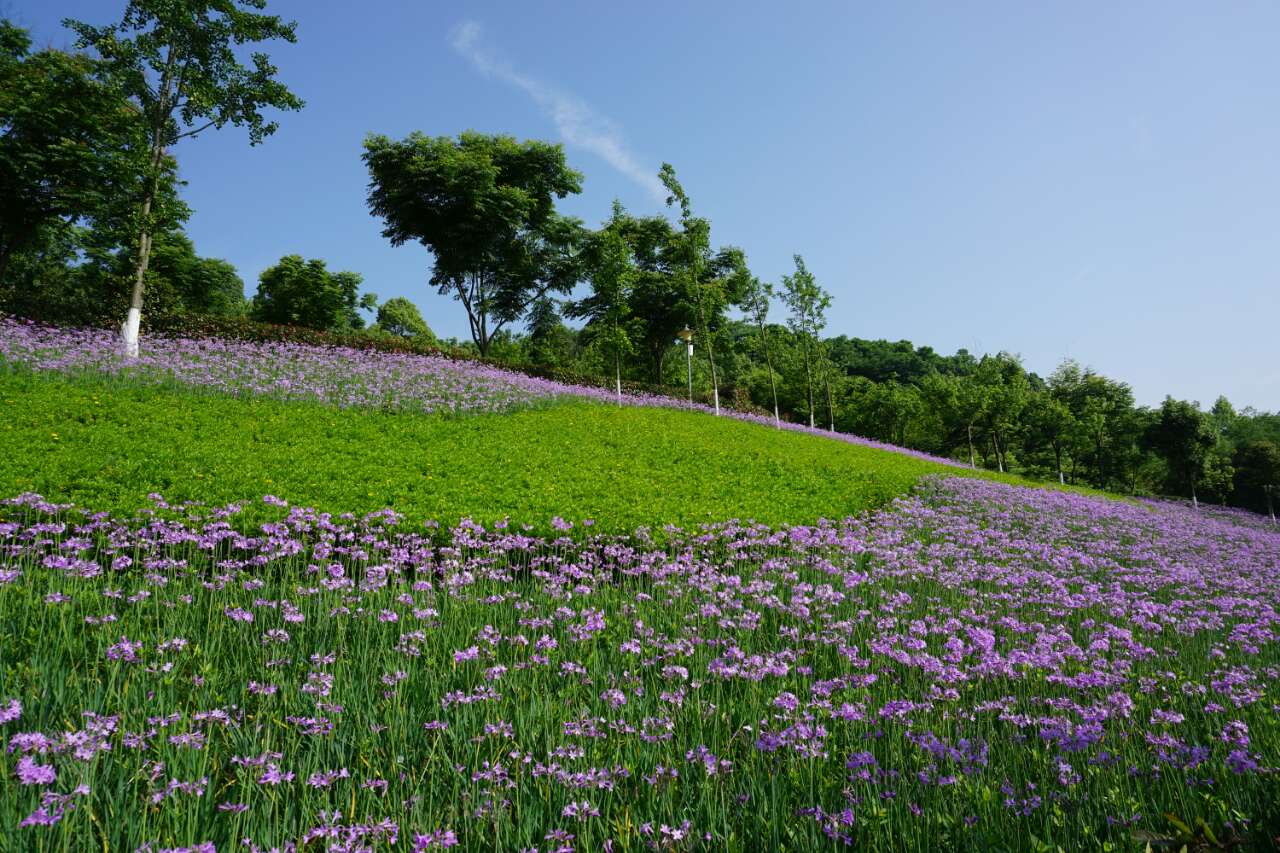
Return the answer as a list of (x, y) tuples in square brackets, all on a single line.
[(91, 232)]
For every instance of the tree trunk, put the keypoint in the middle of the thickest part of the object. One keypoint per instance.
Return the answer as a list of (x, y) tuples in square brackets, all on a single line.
[(706, 331), (711, 358), (659, 361), (133, 320), (617, 374), (773, 387), (808, 380), (831, 411), (972, 461), (1057, 458)]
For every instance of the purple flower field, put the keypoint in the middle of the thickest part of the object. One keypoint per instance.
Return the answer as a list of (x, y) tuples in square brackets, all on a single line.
[(978, 666), (329, 375)]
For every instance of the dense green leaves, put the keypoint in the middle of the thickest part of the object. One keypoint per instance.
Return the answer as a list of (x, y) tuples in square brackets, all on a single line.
[(400, 317), (1184, 436), (485, 208), (179, 61), (304, 293), (70, 145)]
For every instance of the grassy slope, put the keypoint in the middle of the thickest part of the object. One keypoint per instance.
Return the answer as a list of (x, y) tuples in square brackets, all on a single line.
[(105, 446)]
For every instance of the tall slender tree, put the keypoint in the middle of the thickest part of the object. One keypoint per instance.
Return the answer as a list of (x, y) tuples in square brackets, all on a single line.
[(177, 60), (694, 249), (611, 270), (808, 303), (757, 296)]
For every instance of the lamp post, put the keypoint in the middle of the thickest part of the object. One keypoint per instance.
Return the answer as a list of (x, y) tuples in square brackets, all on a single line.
[(686, 335)]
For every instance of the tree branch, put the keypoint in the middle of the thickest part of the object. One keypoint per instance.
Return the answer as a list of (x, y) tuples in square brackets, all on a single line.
[(202, 127)]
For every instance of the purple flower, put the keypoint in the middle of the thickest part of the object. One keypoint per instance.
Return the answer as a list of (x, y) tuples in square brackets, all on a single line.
[(273, 775), (30, 773), (580, 811), (439, 838), (125, 650), (1241, 762)]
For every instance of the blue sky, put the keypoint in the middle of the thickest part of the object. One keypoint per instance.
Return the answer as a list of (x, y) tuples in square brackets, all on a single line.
[(1087, 180)]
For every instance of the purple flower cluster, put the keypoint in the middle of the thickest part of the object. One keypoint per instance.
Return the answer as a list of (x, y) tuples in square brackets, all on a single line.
[(976, 662)]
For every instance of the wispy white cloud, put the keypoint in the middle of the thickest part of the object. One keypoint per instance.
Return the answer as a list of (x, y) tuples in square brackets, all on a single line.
[(579, 125)]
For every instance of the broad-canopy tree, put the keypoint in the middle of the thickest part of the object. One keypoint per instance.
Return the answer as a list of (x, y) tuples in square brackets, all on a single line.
[(1049, 423), (959, 402), (662, 300), (295, 292), (400, 317), (485, 208), (1004, 395), (179, 63), (1183, 435)]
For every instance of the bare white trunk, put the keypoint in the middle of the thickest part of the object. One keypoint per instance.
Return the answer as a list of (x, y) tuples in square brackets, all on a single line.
[(715, 396), (777, 420), (129, 332), (617, 378)]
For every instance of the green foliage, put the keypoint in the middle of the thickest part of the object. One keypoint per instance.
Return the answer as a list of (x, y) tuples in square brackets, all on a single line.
[(484, 206), (400, 317), (177, 278), (1184, 436), (549, 342), (662, 302), (611, 270), (808, 304), (107, 444), (70, 148), (1258, 479), (179, 63), (304, 293)]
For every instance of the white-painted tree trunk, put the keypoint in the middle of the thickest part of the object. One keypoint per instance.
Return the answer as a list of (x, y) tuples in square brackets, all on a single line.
[(129, 332), (715, 395)]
